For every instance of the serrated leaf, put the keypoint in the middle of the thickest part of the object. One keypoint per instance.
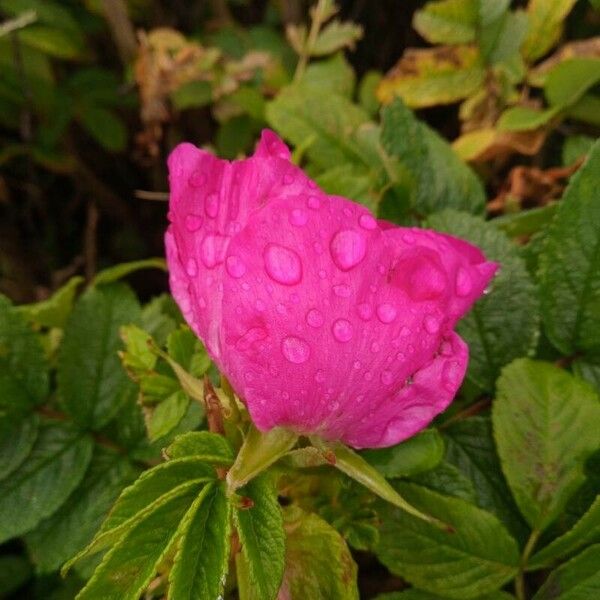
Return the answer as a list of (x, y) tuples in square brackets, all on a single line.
[(91, 381), (112, 274), (23, 368), (204, 445), (477, 558), (166, 415), (318, 564), (448, 21), (546, 18), (260, 529), (187, 350), (448, 480), (585, 531), (104, 125), (570, 264), (16, 441), (415, 594), (335, 36), (202, 558), (470, 447), (578, 579), (502, 325), (420, 453), (334, 74), (53, 312), (430, 76), (545, 426), (351, 182), (129, 566), (423, 152), (300, 113), (53, 469), (69, 529)]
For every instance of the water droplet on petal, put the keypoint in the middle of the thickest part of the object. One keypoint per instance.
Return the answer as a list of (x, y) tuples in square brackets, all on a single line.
[(283, 264), (295, 350), (348, 248), (431, 324), (198, 179), (193, 222), (463, 282), (368, 376), (281, 309), (342, 291), (357, 364), (314, 318), (387, 377), (313, 202), (342, 330), (289, 178), (213, 249), (404, 332), (400, 356), (298, 217), (408, 238), (191, 267), (375, 347), (211, 205), (253, 335), (365, 311), (386, 312), (319, 376), (451, 374), (323, 274), (367, 222), (260, 305), (235, 266)]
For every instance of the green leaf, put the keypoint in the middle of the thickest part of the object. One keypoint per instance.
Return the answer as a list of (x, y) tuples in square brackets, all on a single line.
[(367, 92), (54, 42), (477, 558), (448, 21), (167, 415), (23, 368), (335, 36), (429, 76), (588, 369), (14, 572), (16, 441), (576, 147), (351, 182), (415, 455), (91, 381), (187, 350), (503, 324), (260, 529), (54, 468), (586, 109), (204, 445), (333, 74), (423, 152), (202, 558), (129, 566), (104, 126), (356, 467), (318, 563), (546, 18), (470, 447), (568, 81), (448, 480), (54, 311), (192, 94), (578, 579), (112, 274), (300, 113), (545, 426), (570, 264), (258, 452), (69, 529), (523, 118), (501, 39), (585, 531), (415, 594)]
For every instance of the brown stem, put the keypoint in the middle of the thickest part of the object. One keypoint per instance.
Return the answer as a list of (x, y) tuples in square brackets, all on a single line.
[(121, 27), (90, 249)]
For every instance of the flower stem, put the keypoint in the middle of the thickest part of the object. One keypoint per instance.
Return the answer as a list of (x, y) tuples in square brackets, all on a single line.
[(520, 578)]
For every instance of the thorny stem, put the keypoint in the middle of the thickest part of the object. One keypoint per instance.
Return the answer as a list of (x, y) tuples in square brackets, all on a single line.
[(520, 578)]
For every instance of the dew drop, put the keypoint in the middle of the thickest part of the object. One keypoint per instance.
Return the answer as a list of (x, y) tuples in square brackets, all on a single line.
[(191, 267), (342, 330), (235, 266), (375, 347), (451, 375), (348, 249), (323, 274), (387, 377), (198, 179), (367, 222), (342, 291), (259, 305), (319, 376), (281, 309), (408, 238), (211, 205), (400, 356), (298, 217), (193, 222), (213, 249), (313, 202), (368, 376), (386, 313), (295, 350), (334, 405), (404, 332), (431, 324), (289, 178), (365, 311), (446, 348), (357, 364), (463, 282), (314, 318), (282, 264)]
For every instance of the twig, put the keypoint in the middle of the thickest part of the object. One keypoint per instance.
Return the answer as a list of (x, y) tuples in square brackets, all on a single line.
[(153, 196), (90, 249), (24, 19), (123, 33)]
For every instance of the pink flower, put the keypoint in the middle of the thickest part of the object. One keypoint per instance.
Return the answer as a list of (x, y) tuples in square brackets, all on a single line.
[(324, 319)]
